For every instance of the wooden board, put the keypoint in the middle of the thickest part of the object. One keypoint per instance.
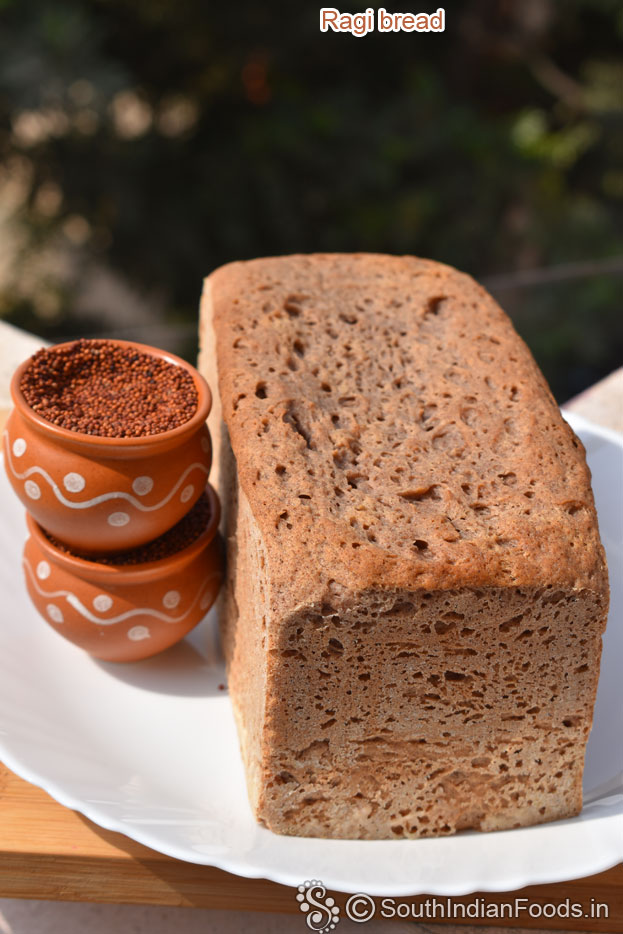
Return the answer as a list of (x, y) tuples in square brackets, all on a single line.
[(50, 852)]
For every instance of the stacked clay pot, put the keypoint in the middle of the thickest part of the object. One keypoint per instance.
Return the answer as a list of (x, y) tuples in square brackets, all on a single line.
[(107, 563)]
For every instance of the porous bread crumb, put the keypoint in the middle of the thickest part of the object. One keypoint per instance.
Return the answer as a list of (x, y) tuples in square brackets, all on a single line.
[(416, 587)]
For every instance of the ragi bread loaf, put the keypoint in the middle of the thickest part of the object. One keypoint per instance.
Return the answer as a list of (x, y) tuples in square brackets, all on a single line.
[(416, 587)]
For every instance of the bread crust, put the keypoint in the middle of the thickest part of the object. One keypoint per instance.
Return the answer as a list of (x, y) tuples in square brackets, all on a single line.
[(394, 444)]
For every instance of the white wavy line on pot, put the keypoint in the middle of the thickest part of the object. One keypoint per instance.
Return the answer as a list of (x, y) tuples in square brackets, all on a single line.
[(74, 602), (104, 497)]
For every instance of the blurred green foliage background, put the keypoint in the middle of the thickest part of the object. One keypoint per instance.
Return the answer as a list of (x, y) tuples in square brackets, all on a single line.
[(144, 142)]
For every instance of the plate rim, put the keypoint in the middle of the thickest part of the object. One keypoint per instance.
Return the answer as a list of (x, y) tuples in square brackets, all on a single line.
[(288, 878)]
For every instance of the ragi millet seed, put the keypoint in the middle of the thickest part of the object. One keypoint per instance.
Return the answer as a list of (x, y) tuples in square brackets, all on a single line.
[(187, 531), (97, 387)]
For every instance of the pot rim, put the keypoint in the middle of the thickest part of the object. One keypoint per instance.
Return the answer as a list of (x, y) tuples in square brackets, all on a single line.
[(121, 574), (107, 446)]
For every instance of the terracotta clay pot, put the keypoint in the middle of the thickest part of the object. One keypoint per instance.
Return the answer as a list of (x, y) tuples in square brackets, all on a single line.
[(102, 495), (123, 613)]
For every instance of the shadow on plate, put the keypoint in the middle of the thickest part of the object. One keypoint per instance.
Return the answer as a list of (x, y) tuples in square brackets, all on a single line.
[(192, 668)]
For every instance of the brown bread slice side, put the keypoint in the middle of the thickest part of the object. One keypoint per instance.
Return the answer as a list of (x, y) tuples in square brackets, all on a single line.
[(416, 587)]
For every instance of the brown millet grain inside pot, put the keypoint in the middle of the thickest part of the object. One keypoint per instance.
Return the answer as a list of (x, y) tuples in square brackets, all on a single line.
[(97, 387), (180, 536)]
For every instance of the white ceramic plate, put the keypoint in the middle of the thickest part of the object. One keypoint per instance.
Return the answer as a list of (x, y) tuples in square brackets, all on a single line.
[(150, 749)]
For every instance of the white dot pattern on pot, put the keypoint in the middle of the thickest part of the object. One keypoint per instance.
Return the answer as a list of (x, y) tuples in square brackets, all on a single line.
[(74, 482), (55, 613), (138, 633), (102, 602), (143, 485), (171, 599), (118, 519)]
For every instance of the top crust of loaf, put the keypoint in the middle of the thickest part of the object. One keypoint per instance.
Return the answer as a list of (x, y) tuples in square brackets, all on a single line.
[(392, 431)]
